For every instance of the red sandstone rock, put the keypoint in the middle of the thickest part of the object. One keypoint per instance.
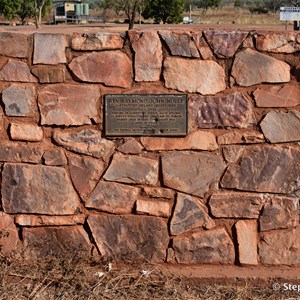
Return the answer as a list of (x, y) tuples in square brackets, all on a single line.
[(67, 104), (278, 96), (37, 221), (210, 246), (50, 49), (132, 169), (154, 207), (241, 137), (16, 71), (113, 197), (9, 239), (224, 43), (277, 42), (38, 189), (131, 146), (97, 41), (202, 46), (19, 101), (148, 55), (232, 153), (180, 43), (189, 213), (247, 242), (85, 173), (236, 205), (59, 242), (280, 127), (251, 67), (26, 132), (49, 74), (233, 110), (130, 237), (280, 247), (15, 152), (86, 141), (205, 77), (191, 173), (54, 157), (269, 169), (198, 140), (280, 212), (113, 68), (14, 44), (154, 192)]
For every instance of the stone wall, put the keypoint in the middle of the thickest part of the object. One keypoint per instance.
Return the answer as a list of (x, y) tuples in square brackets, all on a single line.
[(226, 193)]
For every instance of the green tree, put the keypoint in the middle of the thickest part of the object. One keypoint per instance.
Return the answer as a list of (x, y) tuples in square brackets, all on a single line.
[(206, 4), (164, 11)]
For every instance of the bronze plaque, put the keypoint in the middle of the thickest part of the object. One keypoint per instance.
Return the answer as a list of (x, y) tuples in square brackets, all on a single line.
[(145, 115)]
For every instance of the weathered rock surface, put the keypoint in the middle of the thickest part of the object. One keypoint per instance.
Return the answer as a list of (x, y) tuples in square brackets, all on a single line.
[(232, 153), (9, 239), (148, 55), (189, 213), (113, 68), (278, 96), (280, 247), (85, 173), (280, 127), (202, 46), (247, 242), (26, 132), (210, 246), (56, 242), (265, 169), (16, 71), (113, 197), (130, 237), (191, 173), (251, 67), (277, 42), (157, 208), (37, 189), (132, 169), (65, 104), (19, 101), (280, 212), (38, 221), (233, 110), (224, 43), (154, 192), (54, 157), (131, 146), (50, 49), (50, 74), (241, 137), (198, 140), (236, 205), (97, 41), (86, 141), (15, 152), (202, 76), (180, 43), (14, 44)]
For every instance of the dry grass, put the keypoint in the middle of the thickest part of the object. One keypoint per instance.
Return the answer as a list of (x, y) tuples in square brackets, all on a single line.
[(74, 278)]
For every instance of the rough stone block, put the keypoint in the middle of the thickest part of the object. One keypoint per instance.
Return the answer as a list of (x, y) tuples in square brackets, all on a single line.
[(50, 74), (26, 132), (16, 71), (155, 192), (154, 207), (241, 137), (9, 238), (54, 157), (39, 221), (14, 44), (202, 45), (132, 146)]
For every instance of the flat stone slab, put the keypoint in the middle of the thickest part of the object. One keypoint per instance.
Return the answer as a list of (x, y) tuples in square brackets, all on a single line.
[(130, 237), (251, 67), (14, 44), (280, 247), (191, 173), (38, 189), (269, 169), (16, 71), (241, 137), (26, 132), (209, 246), (40, 221), (280, 127), (202, 76), (132, 169), (67, 104), (113, 197), (159, 208)]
